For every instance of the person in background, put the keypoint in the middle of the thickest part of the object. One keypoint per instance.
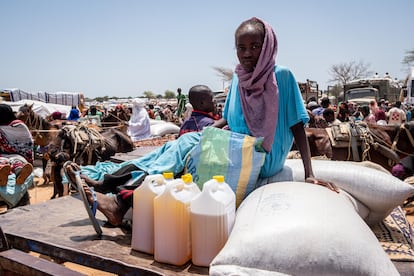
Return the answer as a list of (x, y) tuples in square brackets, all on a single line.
[(264, 100), (396, 115), (343, 112), (139, 123), (93, 111), (121, 113), (370, 116), (380, 117), (158, 114), (373, 107), (325, 103), (408, 113), (219, 112), (404, 169), (387, 106), (312, 105), (16, 147), (74, 114), (366, 115), (352, 107), (150, 111), (56, 115), (329, 116), (201, 98), (382, 105), (167, 113), (181, 101), (188, 110)]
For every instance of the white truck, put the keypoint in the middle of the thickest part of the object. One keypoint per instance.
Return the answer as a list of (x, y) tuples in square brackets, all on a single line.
[(408, 89)]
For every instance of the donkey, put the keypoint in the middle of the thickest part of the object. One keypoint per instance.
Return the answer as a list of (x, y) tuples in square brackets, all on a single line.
[(84, 146)]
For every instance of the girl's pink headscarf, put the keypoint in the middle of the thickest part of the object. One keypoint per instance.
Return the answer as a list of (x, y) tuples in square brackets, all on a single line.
[(259, 93)]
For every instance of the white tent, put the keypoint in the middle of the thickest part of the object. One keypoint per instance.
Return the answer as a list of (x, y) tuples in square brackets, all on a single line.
[(41, 108)]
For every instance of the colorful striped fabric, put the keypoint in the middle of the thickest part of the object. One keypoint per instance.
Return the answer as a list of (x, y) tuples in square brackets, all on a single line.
[(236, 156)]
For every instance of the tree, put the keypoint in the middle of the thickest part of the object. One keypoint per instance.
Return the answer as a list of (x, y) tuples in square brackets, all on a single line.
[(343, 73), (149, 95), (169, 94), (101, 99), (409, 57)]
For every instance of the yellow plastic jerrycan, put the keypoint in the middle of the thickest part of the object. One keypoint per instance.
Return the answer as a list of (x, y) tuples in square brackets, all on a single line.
[(172, 240)]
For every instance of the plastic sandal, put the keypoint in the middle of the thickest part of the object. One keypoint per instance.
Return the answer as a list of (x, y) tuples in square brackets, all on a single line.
[(91, 210)]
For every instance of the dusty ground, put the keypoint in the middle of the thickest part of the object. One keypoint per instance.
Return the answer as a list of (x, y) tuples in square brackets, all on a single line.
[(40, 193)]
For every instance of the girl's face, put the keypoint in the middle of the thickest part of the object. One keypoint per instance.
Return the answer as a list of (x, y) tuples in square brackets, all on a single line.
[(249, 41)]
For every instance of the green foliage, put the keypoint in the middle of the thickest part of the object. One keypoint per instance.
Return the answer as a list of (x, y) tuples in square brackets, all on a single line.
[(101, 99), (149, 95), (168, 94)]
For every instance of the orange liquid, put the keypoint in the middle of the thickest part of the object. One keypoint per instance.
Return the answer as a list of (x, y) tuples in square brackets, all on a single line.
[(171, 231)]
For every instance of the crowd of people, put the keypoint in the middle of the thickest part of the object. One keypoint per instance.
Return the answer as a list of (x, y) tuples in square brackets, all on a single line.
[(324, 113)]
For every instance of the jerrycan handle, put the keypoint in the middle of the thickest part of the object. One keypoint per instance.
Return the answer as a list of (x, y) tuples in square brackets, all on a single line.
[(213, 185), (155, 180)]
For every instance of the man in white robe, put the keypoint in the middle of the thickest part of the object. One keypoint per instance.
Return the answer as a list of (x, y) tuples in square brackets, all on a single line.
[(139, 123)]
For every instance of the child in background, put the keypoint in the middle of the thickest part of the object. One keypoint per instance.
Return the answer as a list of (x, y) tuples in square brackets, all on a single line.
[(201, 98)]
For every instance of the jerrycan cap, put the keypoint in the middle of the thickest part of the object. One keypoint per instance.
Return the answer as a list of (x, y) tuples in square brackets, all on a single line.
[(187, 178), (168, 175), (219, 178)]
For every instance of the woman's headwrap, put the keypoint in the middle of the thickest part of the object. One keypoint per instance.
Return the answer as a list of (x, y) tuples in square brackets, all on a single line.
[(259, 92)]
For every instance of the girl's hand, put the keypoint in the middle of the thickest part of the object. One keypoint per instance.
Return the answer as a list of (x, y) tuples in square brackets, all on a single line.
[(324, 183)]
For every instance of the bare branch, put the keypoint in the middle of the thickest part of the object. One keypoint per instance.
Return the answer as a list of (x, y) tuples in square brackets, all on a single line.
[(409, 57), (225, 73), (343, 73)]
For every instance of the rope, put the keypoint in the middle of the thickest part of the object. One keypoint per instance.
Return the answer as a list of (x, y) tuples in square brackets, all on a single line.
[(349, 144), (393, 146), (116, 117), (45, 131), (368, 140), (94, 140)]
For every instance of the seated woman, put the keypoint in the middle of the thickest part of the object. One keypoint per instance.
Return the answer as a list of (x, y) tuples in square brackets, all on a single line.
[(16, 147)]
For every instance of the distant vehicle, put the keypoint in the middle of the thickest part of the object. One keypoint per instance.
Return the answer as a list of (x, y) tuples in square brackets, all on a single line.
[(408, 89), (220, 97), (362, 96), (362, 91), (309, 89)]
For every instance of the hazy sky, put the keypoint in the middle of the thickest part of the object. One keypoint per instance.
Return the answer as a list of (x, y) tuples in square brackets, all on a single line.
[(123, 48)]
